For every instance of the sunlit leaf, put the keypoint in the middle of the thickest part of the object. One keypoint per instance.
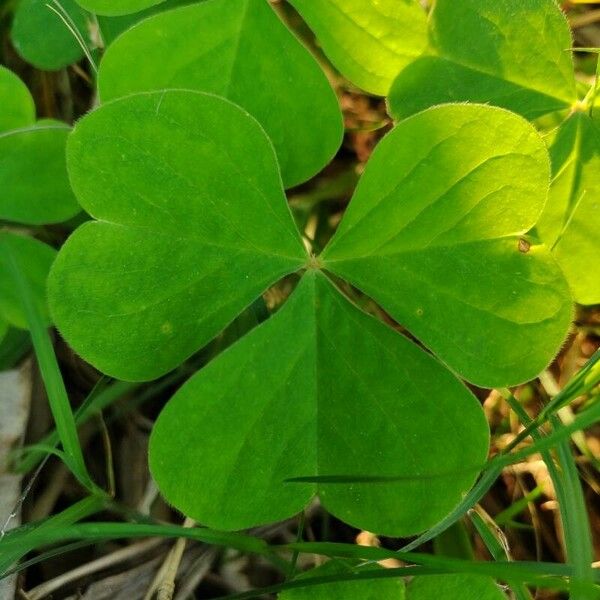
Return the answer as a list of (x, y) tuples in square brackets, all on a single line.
[(434, 233), (571, 220), (509, 53), (369, 42)]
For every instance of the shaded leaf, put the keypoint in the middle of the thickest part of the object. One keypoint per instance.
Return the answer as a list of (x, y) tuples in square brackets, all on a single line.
[(42, 38), (433, 234), (33, 175), (369, 42), (319, 388), (193, 226), (221, 47), (510, 53), (18, 109)]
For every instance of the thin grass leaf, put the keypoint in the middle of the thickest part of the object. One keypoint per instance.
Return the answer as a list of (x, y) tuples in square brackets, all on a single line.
[(55, 387), (516, 508), (496, 547), (111, 531), (18, 542), (99, 399), (573, 510), (548, 582)]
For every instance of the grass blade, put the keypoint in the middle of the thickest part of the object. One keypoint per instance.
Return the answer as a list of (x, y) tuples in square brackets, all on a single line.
[(55, 387)]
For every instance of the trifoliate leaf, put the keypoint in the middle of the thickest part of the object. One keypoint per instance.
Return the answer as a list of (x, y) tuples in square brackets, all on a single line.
[(320, 389), (435, 231), (509, 53), (192, 227), (369, 42), (238, 49)]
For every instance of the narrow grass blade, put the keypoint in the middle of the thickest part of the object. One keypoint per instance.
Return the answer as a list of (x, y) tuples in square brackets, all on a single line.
[(55, 387), (16, 543)]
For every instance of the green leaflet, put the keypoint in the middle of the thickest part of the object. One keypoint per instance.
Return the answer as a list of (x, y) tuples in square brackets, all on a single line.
[(392, 589), (220, 46), (433, 234), (454, 587), (571, 219), (33, 175), (369, 42), (33, 260), (43, 39), (18, 109), (509, 53), (193, 226), (319, 389), (117, 7)]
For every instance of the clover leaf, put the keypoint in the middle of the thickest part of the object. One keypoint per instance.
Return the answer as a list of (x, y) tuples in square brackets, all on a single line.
[(193, 226), (18, 109), (35, 190), (434, 234), (221, 47), (41, 36), (571, 219), (369, 42), (510, 53), (33, 174), (319, 389)]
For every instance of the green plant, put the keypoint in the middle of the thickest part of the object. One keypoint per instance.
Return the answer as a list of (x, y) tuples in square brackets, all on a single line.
[(470, 231), (24, 144)]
